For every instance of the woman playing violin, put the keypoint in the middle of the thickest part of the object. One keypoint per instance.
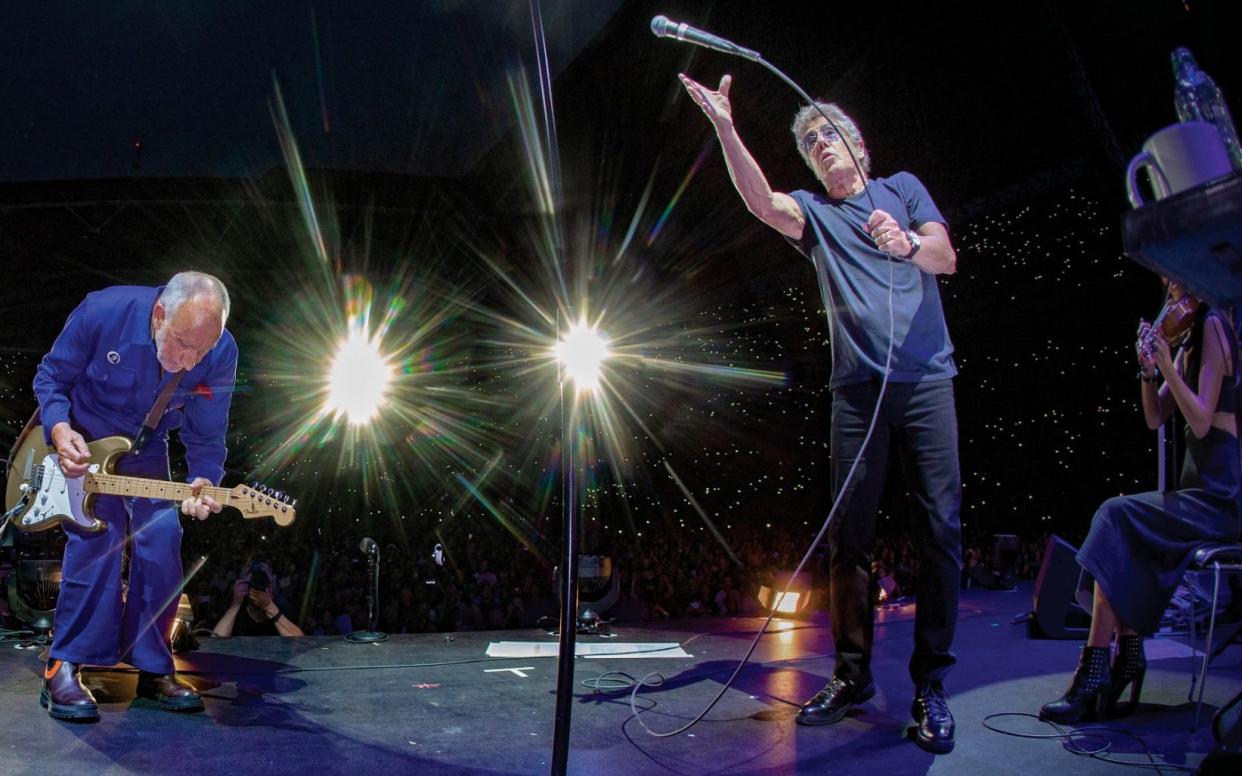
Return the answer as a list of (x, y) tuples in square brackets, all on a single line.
[(1139, 546)]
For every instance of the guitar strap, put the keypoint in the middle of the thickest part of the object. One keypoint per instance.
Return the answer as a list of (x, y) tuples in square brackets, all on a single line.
[(157, 411)]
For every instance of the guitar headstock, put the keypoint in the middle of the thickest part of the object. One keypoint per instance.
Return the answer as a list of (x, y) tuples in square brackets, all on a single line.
[(255, 501)]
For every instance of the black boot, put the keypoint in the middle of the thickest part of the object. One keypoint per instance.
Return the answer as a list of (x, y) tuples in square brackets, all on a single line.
[(933, 724), (1129, 667), (171, 692), (1088, 692), (63, 694)]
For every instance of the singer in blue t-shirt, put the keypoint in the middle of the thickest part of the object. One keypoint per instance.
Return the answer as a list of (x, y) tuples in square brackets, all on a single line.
[(863, 234)]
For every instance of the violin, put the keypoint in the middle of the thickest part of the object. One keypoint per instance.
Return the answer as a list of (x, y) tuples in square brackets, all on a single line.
[(1175, 322)]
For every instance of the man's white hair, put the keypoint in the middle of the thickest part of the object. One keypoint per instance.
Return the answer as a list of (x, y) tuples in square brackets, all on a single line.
[(187, 285), (843, 122)]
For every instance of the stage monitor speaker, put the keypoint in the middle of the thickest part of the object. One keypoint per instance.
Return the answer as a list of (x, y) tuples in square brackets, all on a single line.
[(1057, 614)]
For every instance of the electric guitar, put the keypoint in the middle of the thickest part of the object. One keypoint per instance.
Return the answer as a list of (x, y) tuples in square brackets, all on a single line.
[(48, 498)]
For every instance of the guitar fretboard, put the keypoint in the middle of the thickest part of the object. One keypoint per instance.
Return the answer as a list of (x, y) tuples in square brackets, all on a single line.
[(118, 485)]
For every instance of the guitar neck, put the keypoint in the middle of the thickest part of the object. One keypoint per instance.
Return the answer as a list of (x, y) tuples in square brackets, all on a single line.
[(118, 485)]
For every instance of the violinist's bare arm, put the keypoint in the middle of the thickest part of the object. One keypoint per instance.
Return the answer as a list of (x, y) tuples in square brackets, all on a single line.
[(1225, 421), (1197, 406)]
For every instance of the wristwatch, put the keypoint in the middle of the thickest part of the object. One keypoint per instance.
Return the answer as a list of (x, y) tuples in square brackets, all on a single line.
[(915, 244)]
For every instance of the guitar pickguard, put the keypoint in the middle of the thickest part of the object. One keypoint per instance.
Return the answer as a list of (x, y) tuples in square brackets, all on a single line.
[(57, 499), (51, 497)]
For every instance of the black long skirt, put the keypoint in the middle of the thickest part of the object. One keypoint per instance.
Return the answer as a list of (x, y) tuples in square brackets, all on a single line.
[(1140, 546)]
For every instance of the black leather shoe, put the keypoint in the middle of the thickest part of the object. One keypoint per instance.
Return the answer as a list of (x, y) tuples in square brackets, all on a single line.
[(934, 727), (63, 694), (830, 704), (171, 691)]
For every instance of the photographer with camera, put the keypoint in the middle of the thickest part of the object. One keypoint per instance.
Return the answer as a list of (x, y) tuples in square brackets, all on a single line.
[(262, 616)]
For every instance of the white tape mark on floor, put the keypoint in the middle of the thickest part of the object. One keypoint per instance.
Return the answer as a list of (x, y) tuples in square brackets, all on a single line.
[(528, 649)]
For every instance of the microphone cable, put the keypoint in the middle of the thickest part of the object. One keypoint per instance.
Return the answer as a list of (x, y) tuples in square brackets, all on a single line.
[(643, 681)]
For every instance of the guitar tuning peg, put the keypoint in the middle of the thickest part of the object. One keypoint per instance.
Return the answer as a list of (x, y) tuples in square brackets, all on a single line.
[(254, 484), (293, 503), (263, 489)]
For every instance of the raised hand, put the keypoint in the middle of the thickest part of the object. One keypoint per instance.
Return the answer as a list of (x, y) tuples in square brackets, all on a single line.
[(715, 104), (261, 598)]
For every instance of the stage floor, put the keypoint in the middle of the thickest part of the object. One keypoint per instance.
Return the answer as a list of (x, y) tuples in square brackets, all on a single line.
[(438, 704)]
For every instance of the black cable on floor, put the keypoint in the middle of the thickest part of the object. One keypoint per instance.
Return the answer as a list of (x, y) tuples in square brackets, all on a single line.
[(598, 683), (1072, 741)]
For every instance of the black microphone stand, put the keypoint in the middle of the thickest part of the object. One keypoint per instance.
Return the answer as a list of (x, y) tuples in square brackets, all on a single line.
[(567, 642), (371, 635), (569, 550)]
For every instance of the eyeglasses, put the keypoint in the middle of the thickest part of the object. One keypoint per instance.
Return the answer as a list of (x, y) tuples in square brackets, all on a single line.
[(825, 131)]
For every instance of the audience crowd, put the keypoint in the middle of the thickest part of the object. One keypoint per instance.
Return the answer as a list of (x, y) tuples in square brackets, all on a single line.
[(479, 577)]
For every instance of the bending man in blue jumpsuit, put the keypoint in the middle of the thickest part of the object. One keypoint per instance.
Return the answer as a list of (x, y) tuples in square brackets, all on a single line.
[(118, 349)]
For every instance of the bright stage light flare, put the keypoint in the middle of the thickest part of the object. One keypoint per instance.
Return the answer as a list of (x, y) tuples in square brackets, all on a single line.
[(582, 352), (359, 379)]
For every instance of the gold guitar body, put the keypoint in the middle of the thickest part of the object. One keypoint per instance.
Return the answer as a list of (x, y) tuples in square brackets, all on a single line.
[(52, 498)]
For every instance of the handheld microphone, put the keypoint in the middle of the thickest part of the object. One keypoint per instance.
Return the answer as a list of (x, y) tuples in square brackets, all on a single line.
[(663, 27), (368, 546)]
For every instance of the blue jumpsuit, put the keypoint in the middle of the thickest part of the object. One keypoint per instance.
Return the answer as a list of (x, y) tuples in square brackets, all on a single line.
[(102, 376)]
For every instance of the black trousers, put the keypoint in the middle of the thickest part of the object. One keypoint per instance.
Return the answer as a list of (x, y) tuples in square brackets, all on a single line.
[(920, 419)]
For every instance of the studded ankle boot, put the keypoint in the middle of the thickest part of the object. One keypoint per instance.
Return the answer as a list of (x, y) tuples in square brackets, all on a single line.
[(1129, 668), (1088, 692)]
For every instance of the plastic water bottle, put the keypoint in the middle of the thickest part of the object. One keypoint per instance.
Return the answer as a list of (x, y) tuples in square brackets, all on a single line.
[(1197, 98)]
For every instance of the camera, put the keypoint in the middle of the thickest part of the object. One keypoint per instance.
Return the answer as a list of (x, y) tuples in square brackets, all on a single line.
[(259, 580)]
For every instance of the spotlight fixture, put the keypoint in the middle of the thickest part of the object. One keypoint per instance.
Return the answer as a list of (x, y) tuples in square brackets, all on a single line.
[(359, 379), (582, 353), (785, 595)]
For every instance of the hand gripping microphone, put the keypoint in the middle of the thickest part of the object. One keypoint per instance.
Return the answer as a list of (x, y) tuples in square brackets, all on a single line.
[(663, 27)]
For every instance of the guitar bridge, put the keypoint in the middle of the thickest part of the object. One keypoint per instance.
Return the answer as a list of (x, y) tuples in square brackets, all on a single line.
[(36, 478)]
